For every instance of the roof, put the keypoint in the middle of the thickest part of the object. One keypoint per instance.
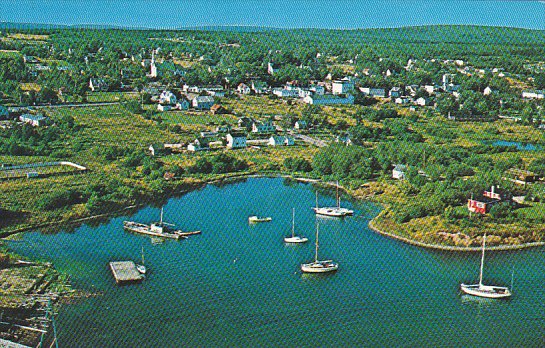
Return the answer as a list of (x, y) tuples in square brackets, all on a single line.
[(204, 99), (237, 135), (34, 117), (400, 167)]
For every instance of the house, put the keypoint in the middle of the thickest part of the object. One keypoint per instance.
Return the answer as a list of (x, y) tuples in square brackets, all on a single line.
[(488, 91), (301, 124), (403, 100), (236, 141), (35, 120), (271, 69), (158, 149), (519, 176), (373, 92), (286, 92), (422, 101), (203, 102), (412, 89), (280, 141), (342, 86), (317, 89), (4, 113), (168, 98), (399, 171), (183, 104), (259, 87), (328, 99), (245, 122), (215, 91), (223, 129), (483, 204), (344, 139), (430, 89), (263, 127), (243, 89), (98, 85), (164, 107), (395, 92), (199, 144), (534, 94), (30, 59)]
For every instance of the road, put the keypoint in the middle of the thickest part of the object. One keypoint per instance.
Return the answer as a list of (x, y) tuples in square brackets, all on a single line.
[(313, 141)]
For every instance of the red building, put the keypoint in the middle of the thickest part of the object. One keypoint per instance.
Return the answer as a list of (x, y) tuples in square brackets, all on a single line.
[(483, 204)]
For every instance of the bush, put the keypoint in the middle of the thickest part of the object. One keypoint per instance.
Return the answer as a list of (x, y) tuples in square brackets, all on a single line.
[(59, 199)]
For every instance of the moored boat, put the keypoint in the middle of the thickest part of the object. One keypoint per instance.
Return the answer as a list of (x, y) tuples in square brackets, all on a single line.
[(157, 229), (481, 290), (318, 266), (337, 211), (255, 219), (293, 238)]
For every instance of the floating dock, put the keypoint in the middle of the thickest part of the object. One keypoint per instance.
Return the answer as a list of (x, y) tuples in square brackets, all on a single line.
[(125, 272)]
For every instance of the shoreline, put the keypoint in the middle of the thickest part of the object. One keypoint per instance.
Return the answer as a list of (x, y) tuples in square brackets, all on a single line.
[(227, 178)]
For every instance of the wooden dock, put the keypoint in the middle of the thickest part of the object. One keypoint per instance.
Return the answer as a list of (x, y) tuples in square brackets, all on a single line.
[(125, 272)]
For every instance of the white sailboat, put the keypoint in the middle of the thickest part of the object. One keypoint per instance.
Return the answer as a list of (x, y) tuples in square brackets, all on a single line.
[(141, 268), (293, 238), (481, 290), (319, 266), (332, 211)]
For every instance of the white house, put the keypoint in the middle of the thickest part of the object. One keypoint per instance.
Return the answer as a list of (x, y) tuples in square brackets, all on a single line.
[(98, 85), (271, 69), (342, 86), (422, 101), (403, 100), (243, 89), (301, 124), (164, 107), (534, 94), (34, 120), (236, 141), (203, 102), (373, 92), (328, 99), (281, 141), (198, 145), (399, 171), (286, 93), (263, 127), (395, 92), (168, 98), (259, 87)]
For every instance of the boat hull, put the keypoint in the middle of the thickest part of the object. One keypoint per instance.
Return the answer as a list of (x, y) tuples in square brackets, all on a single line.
[(333, 211), (255, 219), (145, 229), (486, 291), (295, 240), (319, 267)]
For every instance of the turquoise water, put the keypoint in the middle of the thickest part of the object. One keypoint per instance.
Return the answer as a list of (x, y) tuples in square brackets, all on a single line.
[(277, 13), (239, 285), (520, 146)]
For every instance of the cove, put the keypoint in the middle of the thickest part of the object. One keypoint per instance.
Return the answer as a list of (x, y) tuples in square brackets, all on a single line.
[(239, 285)]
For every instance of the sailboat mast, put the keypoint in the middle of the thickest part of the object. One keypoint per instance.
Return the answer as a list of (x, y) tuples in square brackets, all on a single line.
[(316, 199), (316, 255), (338, 198), (142, 255), (482, 261), (161, 221), (293, 223)]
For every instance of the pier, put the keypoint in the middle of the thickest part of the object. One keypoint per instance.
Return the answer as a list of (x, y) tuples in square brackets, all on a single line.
[(125, 272)]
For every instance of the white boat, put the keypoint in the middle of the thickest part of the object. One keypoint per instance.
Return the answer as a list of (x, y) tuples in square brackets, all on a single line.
[(481, 290), (293, 238), (141, 268), (319, 266), (255, 219), (332, 211)]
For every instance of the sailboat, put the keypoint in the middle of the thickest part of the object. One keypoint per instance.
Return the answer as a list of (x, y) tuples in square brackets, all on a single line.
[(332, 211), (481, 290), (319, 266), (141, 268), (293, 238)]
